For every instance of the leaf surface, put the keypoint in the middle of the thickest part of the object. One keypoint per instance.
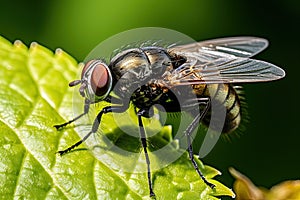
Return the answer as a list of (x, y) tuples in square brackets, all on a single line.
[(34, 96)]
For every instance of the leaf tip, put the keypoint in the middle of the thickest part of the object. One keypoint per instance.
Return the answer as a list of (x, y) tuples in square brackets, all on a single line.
[(18, 43), (59, 51), (33, 44)]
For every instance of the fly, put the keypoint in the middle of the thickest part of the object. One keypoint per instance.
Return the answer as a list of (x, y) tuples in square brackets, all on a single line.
[(199, 72)]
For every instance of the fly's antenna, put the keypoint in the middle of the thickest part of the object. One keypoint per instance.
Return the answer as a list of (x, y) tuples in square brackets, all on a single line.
[(74, 83), (82, 87), (82, 81)]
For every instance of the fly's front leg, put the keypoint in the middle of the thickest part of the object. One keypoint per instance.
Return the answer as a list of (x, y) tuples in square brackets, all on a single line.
[(86, 110), (96, 123), (144, 112), (188, 132)]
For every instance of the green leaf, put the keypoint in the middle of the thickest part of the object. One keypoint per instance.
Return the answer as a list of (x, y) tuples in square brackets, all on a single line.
[(34, 96)]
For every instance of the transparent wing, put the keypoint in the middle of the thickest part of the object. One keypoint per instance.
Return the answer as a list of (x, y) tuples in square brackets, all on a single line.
[(238, 46), (209, 66)]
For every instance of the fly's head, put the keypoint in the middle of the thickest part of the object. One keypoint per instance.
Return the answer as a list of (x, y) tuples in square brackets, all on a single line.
[(96, 81)]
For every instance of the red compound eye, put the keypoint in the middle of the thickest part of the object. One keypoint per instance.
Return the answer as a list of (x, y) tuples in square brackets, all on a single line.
[(100, 80), (86, 66)]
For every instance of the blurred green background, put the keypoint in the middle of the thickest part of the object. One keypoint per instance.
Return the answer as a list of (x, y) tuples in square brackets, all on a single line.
[(268, 151)]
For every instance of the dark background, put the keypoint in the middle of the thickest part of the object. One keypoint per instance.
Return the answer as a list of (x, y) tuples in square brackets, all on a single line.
[(268, 151)]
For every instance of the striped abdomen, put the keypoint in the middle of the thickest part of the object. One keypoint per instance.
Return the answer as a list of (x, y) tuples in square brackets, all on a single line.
[(224, 95)]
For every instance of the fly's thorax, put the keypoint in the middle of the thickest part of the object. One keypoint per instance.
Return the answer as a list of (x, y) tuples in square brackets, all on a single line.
[(133, 61), (136, 67), (159, 59), (224, 95), (141, 63)]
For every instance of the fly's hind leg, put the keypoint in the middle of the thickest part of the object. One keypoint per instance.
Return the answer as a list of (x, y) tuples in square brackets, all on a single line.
[(188, 132), (86, 110)]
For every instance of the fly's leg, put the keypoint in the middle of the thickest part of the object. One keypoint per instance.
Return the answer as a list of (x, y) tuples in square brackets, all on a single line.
[(140, 114), (188, 132), (96, 123), (86, 110)]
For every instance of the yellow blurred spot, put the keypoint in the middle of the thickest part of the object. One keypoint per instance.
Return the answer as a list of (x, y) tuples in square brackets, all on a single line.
[(246, 190)]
